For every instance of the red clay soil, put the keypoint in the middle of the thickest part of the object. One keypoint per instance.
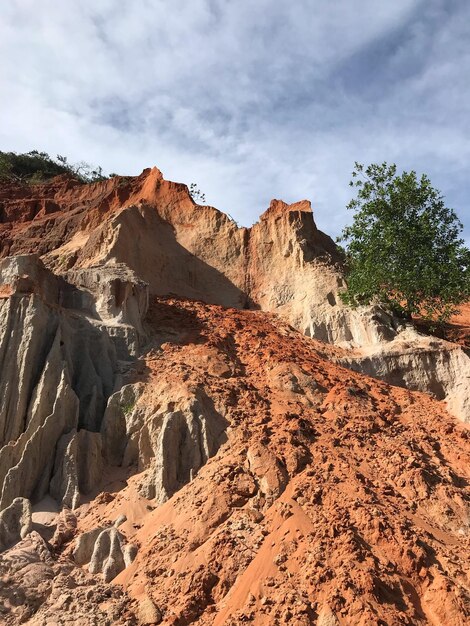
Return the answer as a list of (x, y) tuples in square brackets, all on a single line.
[(457, 329), (337, 499)]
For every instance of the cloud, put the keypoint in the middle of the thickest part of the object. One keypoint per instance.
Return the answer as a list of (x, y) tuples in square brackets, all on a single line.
[(250, 100)]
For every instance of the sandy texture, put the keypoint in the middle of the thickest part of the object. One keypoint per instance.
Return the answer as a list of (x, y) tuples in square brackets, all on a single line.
[(336, 497)]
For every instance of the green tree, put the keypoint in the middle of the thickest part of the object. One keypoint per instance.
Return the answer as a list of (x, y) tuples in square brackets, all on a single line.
[(37, 167), (404, 248), (31, 167)]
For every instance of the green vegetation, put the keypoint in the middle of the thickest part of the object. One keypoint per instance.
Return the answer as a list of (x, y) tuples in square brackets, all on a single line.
[(127, 407), (404, 248), (37, 167)]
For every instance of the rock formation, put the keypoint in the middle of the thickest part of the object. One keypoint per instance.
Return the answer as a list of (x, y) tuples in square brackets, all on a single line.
[(37, 589), (282, 264), (335, 497), (269, 453), (106, 551), (15, 522)]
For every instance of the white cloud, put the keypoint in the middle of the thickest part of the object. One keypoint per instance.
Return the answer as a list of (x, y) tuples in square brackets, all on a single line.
[(251, 100)]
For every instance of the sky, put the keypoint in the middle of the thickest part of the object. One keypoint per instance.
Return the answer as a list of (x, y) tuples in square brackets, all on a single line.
[(250, 99)]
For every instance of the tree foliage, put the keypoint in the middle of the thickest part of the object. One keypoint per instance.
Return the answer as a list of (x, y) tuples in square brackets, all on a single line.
[(36, 167), (404, 247)]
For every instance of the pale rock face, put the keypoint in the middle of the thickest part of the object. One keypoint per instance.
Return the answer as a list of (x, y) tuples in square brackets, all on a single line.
[(59, 368), (27, 329), (419, 363), (117, 293), (55, 409), (27, 463), (106, 551), (176, 440), (295, 270), (187, 439), (15, 522), (78, 467), (25, 274), (117, 297), (85, 545), (121, 426)]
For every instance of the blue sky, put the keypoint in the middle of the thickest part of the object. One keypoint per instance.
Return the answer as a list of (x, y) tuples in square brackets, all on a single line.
[(252, 100)]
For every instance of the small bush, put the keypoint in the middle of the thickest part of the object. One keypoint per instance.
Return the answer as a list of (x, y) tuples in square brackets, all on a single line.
[(127, 407), (196, 194)]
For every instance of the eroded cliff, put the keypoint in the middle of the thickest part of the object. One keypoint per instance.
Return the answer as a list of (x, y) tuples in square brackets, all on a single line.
[(282, 264), (188, 409)]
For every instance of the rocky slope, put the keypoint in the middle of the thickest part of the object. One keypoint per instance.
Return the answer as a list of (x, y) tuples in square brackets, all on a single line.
[(175, 409), (255, 481)]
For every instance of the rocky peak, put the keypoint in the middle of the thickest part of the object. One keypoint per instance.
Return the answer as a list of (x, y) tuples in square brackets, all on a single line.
[(279, 207)]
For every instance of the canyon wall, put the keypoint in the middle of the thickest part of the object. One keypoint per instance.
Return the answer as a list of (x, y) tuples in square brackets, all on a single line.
[(282, 264), (187, 393)]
